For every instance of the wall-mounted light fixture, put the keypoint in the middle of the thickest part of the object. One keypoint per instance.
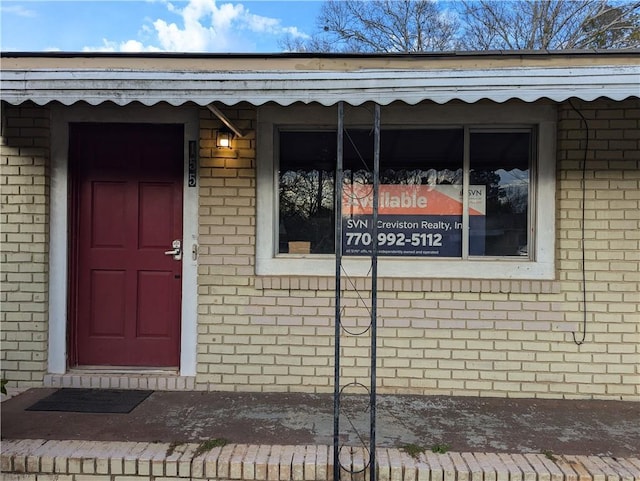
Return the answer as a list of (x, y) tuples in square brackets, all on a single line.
[(225, 134), (223, 138)]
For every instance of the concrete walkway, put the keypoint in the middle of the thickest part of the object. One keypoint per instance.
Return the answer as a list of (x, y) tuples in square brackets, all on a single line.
[(286, 436), (466, 424)]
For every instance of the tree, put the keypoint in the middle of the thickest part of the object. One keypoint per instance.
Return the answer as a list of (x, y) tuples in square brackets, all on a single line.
[(549, 24), (391, 26), (405, 26)]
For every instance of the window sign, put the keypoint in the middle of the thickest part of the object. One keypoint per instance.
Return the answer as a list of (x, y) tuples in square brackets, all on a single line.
[(413, 220), (420, 200)]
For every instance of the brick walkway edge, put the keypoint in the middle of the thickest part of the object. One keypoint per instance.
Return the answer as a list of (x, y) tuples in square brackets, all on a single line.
[(38, 460)]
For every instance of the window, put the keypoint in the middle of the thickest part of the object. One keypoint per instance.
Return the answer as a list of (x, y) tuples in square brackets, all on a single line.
[(458, 193)]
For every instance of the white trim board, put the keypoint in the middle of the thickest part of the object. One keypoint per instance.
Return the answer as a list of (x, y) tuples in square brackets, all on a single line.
[(58, 257), (542, 265)]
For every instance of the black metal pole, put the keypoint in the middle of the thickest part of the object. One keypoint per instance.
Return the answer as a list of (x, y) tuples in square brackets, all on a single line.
[(338, 243), (374, 291)]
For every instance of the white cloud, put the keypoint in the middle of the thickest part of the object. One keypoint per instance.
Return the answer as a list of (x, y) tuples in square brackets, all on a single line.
[(205, 26), (135, 46), (127, 46), (18, 10)]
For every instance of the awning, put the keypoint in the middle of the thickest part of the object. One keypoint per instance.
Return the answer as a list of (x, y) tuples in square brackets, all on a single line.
[(467, 82)]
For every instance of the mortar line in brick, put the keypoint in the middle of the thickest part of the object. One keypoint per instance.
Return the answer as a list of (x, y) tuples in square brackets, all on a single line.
[(179, 463), (395, 464), (14, 456), (437, 472), (384, 467), (211, 462), (582, 473), (528, 472), (490, 473), (462, 470), (44, 459), (613, 469), (224, 461), (117, 456), (565, 467), (310, 460), (184, 463), (297, 463), (632, 471), (286, 462), (592, 466), (171, 459), (542, 473), (130, 463), (66, 462), (262, 459), (474, 466), (249, 462), (273, 463), (515, 474)]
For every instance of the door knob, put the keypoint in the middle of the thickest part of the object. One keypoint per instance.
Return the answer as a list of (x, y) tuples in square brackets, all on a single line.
[(176, 252)]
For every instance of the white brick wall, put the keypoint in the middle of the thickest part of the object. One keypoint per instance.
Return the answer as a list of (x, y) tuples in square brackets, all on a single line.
[(460, 337), (24, 191), (486, 338), (36, 460)]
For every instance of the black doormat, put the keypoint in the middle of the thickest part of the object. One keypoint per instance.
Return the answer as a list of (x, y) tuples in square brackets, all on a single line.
[(91, 400)]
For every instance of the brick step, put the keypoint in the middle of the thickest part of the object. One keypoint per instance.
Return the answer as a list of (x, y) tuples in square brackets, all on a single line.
[(123, 380), (37, 459)]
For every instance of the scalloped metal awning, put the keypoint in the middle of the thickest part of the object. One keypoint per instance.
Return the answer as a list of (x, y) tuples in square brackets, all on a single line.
[(326, 80)]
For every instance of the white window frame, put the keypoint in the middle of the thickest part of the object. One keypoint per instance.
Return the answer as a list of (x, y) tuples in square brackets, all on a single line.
[(539, 265)]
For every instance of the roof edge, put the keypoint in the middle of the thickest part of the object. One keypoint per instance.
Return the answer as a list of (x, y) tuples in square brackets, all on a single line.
[(322, 55)]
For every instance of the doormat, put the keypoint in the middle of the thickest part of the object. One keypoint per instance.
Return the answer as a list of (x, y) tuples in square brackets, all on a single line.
[(91, 400)]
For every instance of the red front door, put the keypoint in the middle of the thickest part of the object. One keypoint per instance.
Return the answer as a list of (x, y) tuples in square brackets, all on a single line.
[(126, 298)]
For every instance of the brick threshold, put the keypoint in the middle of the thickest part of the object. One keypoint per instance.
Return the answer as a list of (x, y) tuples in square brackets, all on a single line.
[(157, 381), (36, 459)]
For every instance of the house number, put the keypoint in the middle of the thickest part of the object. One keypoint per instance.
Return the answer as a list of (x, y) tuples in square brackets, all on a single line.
[(193, 164)]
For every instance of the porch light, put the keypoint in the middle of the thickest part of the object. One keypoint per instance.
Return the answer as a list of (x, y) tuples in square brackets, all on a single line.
[(223, 138)]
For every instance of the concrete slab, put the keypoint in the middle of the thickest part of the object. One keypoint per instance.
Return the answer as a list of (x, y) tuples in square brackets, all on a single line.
[(520, 426)]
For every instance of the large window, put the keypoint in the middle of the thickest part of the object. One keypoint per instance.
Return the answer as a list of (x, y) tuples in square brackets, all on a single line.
[(421, 199), (460, 195)]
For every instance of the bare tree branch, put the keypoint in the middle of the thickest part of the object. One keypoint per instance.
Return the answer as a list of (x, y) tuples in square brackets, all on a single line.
[(384, 26), (436, 26), (550, 24)]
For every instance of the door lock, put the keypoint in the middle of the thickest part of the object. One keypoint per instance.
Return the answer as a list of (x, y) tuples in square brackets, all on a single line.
[(176, 252)]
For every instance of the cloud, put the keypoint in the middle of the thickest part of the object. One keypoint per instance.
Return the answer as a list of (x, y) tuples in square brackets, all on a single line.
[(18, 10), (127, 46), (205, 26)]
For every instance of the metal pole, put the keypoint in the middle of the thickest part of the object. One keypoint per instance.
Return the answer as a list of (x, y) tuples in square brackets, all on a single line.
[(374, 291), (338, 244)]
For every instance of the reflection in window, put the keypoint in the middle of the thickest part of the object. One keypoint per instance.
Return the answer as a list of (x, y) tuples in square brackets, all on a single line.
[(499, 166), (306, 192), (500, 161)]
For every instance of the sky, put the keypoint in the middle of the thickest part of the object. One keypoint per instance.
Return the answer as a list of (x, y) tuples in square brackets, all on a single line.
[(219, 26)]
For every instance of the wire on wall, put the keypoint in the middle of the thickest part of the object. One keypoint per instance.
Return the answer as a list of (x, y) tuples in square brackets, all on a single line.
[(583, 334)]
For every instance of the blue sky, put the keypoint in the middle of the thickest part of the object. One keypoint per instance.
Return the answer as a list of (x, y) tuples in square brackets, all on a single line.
[(153, 25)]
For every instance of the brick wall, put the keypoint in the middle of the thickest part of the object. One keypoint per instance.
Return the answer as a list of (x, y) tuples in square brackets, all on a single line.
[(24, 184), (459, 337), (227, 244), (607, 364), (487, 338)]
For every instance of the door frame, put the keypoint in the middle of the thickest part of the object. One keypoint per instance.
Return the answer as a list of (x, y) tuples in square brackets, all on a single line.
[(59, 202)]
